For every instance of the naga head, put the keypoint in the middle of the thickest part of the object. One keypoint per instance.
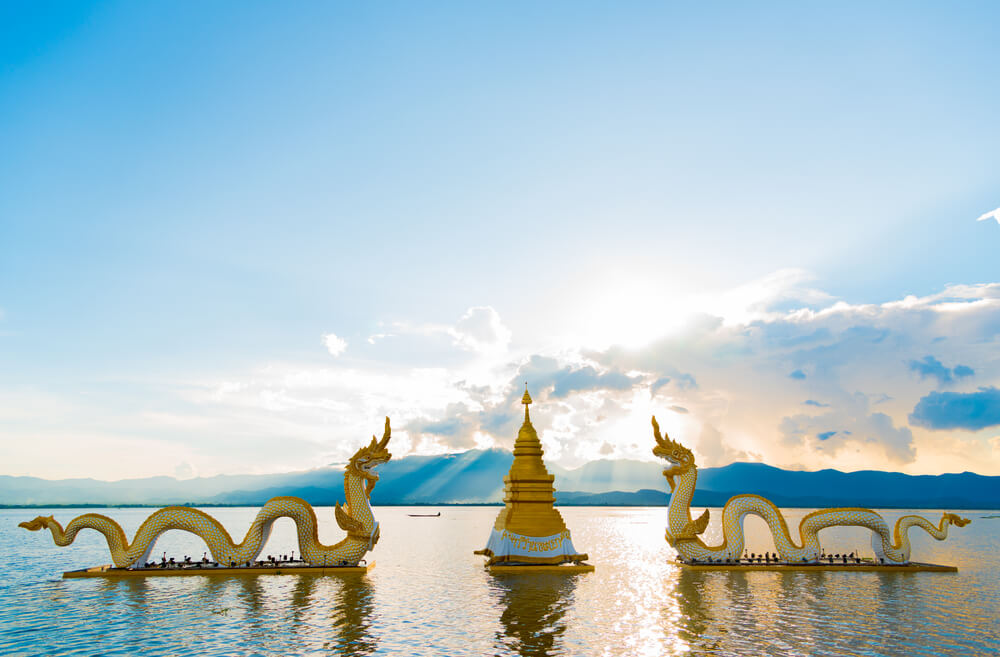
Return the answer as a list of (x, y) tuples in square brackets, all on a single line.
[(41, 522), (678, 455), (373, 454)]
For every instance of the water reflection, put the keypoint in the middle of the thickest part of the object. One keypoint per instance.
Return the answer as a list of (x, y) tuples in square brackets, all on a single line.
[(134, 591), (335, 611), (690, 611), (352, 617), (794, 612), (699, 597), (534, 607), (284, 613)]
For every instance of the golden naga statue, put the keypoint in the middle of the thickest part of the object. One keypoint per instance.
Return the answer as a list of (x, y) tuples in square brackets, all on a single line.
[(356, 519), (683, 532)]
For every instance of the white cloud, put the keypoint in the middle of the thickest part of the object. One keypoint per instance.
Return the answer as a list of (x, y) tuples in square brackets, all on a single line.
[(847, 426), (375, 337), (995, 214), (768, 297), (334, 344), (635, 310), (185, 470), (481, 330)]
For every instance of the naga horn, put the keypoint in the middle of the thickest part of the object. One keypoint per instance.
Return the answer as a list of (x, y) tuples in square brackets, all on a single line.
[(656, 433), (386, 435), (665, 443)]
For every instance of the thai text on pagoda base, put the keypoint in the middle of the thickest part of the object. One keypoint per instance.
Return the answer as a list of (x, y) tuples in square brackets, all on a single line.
[(528, 545)]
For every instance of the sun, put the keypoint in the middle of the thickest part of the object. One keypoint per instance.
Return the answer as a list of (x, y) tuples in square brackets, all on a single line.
[(631, 311)]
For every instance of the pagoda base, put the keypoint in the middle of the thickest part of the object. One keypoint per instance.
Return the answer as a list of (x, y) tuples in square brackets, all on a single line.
[(913, 567), (111, 572), (540, 568)]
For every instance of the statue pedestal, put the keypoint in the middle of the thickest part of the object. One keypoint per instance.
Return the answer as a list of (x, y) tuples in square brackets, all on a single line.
[(912, 567), (541, 568), (111, 572)]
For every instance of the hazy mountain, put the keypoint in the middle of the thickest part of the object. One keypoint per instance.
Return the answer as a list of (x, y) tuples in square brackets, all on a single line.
[(606, 475), (476, 476), (644, 497), (891, 489)]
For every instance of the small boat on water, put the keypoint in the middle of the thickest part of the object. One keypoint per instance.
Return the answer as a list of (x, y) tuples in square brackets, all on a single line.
[(425, 515)]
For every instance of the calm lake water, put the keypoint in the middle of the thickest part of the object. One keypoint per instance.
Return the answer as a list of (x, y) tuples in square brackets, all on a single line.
[(429, 595)]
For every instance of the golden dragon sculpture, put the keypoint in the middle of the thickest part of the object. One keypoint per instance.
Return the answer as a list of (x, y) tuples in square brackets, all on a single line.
[(683, 532), (356, 519)]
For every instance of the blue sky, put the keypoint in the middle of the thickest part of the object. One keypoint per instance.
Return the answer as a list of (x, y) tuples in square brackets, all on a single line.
[(192, 197)]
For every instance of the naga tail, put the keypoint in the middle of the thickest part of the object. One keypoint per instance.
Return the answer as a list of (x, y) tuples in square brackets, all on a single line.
[(112, 531), (46, 522), (900, 551), (955, 519), (41, 522)]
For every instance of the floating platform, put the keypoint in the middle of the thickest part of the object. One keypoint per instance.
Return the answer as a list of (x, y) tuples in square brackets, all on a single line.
[(913, 567), (541, 568), (109, 571)]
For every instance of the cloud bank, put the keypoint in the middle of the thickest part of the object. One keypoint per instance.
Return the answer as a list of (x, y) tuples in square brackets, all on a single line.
[(814, 384), (835, 385)]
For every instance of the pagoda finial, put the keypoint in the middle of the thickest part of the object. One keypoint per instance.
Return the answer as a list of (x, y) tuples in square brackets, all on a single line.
[(526, 399)]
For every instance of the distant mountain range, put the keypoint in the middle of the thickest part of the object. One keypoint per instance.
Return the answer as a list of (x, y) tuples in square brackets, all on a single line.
[(476, 477)]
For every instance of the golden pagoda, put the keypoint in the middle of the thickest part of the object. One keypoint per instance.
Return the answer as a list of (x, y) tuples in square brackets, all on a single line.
[(529, 533)]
